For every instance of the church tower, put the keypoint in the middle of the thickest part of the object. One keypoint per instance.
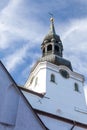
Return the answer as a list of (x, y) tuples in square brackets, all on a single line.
[(55, 90), (52, 54)]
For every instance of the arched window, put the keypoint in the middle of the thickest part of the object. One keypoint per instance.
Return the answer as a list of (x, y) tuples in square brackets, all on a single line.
[(49, 48), (52, 77), (36, 81), (31, 80), (76, 87)]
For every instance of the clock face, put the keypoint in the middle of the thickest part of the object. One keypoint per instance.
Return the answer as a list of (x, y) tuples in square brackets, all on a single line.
[(64, 73)]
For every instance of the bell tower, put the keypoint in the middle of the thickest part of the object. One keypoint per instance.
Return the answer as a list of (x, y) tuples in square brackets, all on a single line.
[(52, 48), (55, 90), (52, 43), (52, 57)]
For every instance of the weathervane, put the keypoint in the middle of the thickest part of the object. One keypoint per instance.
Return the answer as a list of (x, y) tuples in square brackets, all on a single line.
[(51, 14), (51, 19)]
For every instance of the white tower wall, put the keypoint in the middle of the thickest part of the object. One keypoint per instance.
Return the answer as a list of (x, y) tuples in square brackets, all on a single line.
[(63, 99)]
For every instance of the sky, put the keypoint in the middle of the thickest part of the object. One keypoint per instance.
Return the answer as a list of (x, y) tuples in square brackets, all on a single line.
[(24, 24)]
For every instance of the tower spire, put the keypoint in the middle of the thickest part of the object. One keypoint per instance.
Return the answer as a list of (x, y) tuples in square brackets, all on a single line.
[(52, 28), (52, 44)]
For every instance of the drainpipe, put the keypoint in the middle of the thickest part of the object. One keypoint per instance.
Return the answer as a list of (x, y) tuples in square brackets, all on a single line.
[(73, 126)]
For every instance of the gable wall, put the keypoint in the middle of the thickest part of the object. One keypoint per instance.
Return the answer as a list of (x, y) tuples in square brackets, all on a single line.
[(15, 111)]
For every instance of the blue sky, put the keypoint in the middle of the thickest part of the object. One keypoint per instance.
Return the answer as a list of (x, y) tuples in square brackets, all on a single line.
[(24, 24)]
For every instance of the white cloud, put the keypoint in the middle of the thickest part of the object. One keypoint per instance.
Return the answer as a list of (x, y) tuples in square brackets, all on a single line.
[(15, 25), (75, 31), (17, 58), (74, 37), (12, 27), (31, 60), (7, 20)]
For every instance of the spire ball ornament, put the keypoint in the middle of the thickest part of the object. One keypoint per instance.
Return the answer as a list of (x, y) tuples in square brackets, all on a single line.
[(52, 19)]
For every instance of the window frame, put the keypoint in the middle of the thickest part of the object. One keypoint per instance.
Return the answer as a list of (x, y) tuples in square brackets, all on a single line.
[(36, 81), (76, 87), (52, 78)]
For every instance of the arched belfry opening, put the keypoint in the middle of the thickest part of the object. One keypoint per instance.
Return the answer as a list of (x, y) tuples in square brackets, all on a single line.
[(49, 48)]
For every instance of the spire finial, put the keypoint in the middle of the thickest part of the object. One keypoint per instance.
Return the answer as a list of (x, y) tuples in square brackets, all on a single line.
[(51, 19), (52, 29)]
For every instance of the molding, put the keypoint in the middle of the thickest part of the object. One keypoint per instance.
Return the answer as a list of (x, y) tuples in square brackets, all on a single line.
[(56, 68), (61, 118), (80, 110), (32, 92)]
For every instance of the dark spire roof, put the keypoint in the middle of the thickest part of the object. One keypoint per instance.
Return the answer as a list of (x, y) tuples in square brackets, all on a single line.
[(52, 28), (52, 33), (52, 48)]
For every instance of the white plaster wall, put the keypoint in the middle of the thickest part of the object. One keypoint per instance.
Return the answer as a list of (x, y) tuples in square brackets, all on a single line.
[(40, 74), (15, 112), (85, 90), (8, 99), (25, 120), (52, 106), (65, 101), (63, 90), (41, 82), (61, 98)]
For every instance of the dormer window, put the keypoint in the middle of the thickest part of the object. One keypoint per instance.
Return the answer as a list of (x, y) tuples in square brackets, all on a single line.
[(52, 78)]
